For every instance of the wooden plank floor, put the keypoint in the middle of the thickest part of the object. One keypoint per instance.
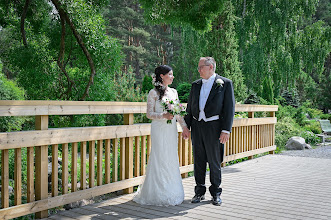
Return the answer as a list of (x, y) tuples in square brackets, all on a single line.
[(269, 187)]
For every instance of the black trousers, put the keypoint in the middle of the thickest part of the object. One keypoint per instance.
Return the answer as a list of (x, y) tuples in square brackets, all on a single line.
[(207, 149)]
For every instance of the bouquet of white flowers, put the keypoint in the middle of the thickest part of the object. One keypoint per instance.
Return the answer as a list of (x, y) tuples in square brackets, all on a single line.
[(173, 107)]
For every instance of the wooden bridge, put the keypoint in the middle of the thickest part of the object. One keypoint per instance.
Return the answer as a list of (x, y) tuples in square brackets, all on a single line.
[(119, 164)]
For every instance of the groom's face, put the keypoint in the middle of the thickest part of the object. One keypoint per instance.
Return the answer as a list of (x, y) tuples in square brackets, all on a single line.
[(205, 70)]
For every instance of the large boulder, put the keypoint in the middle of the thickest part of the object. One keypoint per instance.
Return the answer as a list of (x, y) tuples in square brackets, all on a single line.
[(297, 143)]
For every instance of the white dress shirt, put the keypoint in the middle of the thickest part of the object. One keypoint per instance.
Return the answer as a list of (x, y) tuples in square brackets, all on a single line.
[(207, 84)]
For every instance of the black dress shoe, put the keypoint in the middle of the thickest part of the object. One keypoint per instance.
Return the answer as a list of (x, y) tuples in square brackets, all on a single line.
[(216, 200), (197, 198)]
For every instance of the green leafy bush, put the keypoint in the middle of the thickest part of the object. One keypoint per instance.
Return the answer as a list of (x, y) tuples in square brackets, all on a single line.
[(310, 137), (183, 90), (285, 129), (325, 116), (147, 84), (313, 126), (10, 91)]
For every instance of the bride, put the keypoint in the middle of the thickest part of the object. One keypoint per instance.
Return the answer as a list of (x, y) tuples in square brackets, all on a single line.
[(163, 183)]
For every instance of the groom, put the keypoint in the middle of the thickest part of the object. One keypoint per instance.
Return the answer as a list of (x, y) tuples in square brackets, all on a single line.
[(210, 112)]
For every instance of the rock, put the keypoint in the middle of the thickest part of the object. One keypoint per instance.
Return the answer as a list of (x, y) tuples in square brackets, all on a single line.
[(10, 189), (307, 146), (296, 143)]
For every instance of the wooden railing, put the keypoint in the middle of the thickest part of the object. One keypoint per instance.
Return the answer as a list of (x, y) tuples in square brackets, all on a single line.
[(122, 150)]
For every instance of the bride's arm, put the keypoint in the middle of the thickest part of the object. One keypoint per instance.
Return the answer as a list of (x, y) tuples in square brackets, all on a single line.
[(151, 100)]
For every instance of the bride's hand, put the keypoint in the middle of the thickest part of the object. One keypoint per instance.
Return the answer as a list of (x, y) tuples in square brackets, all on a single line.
[(168, 116)]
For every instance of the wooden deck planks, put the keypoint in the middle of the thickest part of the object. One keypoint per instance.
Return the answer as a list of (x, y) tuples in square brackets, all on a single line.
[(269, 187)]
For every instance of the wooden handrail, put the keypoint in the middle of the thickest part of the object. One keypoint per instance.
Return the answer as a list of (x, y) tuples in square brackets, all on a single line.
[(33, 108)]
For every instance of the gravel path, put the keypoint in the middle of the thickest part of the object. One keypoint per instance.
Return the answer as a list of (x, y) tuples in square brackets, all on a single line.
[(319, 152)]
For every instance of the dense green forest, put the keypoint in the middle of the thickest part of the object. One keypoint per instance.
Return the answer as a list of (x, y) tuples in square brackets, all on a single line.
[(276, 52)]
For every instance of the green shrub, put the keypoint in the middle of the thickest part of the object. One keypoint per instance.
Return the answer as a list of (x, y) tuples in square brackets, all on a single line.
[(183, 90), (310, 137), (313, 126), (325, 116), (285, 129), (285, 111), (300, 116), (147, 84), (10, 91), (314, 113)]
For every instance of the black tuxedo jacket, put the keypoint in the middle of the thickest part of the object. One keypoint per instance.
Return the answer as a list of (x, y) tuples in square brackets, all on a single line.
[(220, 102)]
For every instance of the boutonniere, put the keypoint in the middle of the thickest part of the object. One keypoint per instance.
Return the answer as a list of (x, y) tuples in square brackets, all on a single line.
[(219, 82)]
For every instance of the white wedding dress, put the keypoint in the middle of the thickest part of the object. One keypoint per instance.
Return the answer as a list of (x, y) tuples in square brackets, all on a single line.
[(163, 183)]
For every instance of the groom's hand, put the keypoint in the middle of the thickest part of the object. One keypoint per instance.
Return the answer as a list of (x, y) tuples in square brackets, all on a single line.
[(186, 133), (224, 137)]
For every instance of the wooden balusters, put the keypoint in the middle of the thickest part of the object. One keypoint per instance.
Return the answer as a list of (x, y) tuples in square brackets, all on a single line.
[(122, 158), (115, 159), (91, 156), (30, 174), (99, 162), (65, 172), (74, 152), (55, 171), (143, 155), (149, 146), (83, 165), (107, 161), (18, 177), (4, 178), (137, 156)]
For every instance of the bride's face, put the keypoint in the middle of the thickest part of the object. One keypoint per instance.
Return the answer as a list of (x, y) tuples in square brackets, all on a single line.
[(167, 78)]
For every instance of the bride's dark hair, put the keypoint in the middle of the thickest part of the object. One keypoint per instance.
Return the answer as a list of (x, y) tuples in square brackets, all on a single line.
[(163, 69)]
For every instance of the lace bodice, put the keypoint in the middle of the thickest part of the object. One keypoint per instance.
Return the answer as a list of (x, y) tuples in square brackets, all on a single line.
[(154, 107)]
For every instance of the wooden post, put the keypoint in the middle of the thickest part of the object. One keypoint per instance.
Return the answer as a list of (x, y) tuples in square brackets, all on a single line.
[(251, 115), (128, 120), (272, 114), (41, 166)]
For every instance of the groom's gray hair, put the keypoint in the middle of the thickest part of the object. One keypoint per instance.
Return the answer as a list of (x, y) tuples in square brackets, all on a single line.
[(209, 61)]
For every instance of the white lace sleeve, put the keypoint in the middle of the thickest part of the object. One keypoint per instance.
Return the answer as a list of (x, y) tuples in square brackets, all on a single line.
[(179, 118), (151, 100)]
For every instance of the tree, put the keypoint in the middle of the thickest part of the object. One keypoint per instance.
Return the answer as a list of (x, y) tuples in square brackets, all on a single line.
[(196, 13), (222, 44), (62, 51), (145, 46)]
